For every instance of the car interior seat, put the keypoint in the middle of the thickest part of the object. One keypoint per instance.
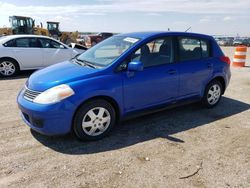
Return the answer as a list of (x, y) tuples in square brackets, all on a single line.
[(164, 55), (196, 54), (33, 44), (145, 54)]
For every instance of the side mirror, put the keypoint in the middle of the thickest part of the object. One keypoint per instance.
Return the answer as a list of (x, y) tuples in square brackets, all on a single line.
[(62, 47), (135, 66)]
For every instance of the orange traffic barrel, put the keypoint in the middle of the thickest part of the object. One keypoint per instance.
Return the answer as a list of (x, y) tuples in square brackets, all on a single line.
[(240, 56)]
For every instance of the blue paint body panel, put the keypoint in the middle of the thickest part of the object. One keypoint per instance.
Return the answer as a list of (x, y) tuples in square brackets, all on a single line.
[(131, 91)]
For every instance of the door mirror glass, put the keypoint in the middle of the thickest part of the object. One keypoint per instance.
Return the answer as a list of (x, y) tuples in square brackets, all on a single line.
[(135, 66)]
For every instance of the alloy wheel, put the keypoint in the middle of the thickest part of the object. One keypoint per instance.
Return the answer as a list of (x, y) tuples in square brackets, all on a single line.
[(7, 68)]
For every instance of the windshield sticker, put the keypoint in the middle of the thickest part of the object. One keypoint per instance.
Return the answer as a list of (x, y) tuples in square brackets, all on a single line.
[(131, 40)]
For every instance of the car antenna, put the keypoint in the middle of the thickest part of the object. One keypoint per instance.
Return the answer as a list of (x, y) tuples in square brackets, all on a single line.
[(188, 29)]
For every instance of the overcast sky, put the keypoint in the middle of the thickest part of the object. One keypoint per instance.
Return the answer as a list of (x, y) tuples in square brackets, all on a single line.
[(220, 17)]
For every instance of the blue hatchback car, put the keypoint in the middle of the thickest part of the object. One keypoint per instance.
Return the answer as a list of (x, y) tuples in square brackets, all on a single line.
[(123, 76)]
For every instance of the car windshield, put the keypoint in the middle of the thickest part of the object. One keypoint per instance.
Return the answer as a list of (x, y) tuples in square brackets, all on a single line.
[(104, 53)]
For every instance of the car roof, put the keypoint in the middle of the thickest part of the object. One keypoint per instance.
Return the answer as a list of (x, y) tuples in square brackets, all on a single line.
[(9, 37), (149, 34), (21, 36)]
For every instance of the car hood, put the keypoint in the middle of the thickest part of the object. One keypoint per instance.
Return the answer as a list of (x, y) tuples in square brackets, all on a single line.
[(60, 73)]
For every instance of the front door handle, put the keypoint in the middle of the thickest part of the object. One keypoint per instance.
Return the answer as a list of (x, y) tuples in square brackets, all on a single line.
[(171, 71)]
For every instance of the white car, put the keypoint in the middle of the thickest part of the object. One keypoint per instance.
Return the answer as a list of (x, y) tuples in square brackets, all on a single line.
[(26, 52)]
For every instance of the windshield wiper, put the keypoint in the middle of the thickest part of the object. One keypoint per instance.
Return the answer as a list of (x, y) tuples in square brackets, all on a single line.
[(78, 62), (84, 63)]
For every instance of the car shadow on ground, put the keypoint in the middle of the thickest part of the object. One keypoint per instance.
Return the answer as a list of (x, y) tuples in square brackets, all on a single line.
[(158, 125), (22, 74)]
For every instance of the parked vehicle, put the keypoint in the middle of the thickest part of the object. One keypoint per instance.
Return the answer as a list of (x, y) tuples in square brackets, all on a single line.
[(53, 29), (238, 42), (124, 76), (246, 42), (19, 25), (25, 52), (226, 41), (92, 40)]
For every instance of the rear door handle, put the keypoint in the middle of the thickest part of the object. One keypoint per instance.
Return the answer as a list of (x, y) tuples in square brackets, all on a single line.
[(171, 71)]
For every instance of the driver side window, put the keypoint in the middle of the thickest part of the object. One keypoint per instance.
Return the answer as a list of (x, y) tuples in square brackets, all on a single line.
[(47, 43), (156, 52)]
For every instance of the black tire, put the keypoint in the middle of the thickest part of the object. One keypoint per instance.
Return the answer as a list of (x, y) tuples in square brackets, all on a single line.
[(81, 115), (205, 100), (10, 62)]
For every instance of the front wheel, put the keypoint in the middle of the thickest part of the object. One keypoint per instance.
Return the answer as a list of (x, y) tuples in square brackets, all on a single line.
[(94, 120), (212, 94)]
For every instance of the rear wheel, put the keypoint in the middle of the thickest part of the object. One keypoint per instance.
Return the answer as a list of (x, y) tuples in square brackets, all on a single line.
[(8, 68), (94, 120), (212, 94)]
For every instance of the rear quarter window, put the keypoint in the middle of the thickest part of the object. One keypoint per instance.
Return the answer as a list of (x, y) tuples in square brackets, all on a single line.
[(205, 46), (10, 43)]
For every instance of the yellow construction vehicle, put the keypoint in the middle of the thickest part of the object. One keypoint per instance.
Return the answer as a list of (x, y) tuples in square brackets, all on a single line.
[(23, 25), (26, 25), (39, 30), (5, 31), (19, 25), (53, 29), (65, 37)]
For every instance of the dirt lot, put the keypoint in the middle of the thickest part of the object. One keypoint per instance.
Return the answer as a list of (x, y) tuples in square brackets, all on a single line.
[(211, 145)]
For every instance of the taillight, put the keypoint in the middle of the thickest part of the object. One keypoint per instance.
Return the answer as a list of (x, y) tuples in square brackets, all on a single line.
[(225, 59)]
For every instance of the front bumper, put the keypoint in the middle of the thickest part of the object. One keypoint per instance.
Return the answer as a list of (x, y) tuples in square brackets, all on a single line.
[(54, 119)]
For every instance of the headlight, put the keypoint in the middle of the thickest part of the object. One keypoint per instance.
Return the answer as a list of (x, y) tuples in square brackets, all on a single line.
[(54, 94)]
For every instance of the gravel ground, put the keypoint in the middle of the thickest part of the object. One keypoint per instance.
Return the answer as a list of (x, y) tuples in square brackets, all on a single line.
[(212, 146)]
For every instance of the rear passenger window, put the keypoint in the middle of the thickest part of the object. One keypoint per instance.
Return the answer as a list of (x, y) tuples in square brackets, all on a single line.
[(192, 49), (22, 43)]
